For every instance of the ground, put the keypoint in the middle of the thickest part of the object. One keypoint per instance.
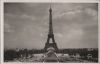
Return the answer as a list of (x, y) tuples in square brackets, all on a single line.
[(65, 59)]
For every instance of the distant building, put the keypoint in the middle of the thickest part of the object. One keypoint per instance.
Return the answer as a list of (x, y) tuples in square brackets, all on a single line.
[(89, 56)]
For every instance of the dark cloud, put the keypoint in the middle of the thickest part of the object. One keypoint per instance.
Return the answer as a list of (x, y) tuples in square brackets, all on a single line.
[(75, 25)]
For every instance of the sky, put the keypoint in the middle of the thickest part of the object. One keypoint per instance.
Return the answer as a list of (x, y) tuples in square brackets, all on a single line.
[(26, 25)]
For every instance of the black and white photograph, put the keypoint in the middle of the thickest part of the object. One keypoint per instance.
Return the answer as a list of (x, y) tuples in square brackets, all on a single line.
[(51, 32)]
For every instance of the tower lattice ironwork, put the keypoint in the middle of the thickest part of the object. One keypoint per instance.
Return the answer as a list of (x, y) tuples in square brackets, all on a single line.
[(50, 34)]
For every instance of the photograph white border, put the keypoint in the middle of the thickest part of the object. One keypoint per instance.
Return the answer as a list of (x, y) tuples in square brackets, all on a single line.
[(42, 1), (51, 0)]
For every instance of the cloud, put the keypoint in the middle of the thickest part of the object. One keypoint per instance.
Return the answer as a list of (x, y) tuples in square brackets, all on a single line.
[(91, 12), (8, 28)]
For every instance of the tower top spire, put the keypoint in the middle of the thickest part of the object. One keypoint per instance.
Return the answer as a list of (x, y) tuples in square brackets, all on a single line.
[(50, 21), (50, 10), (50, 7)]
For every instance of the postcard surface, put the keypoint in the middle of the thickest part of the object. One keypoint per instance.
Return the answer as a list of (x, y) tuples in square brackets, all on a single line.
[(49, 32)]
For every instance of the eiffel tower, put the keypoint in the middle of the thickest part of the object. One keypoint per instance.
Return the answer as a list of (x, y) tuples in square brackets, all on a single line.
[(49, 44)]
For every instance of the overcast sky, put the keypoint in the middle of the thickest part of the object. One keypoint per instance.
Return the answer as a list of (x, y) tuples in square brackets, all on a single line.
[(75, 25)]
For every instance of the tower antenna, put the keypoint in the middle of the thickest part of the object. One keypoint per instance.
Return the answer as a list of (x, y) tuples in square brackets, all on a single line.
[(50, 3)]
